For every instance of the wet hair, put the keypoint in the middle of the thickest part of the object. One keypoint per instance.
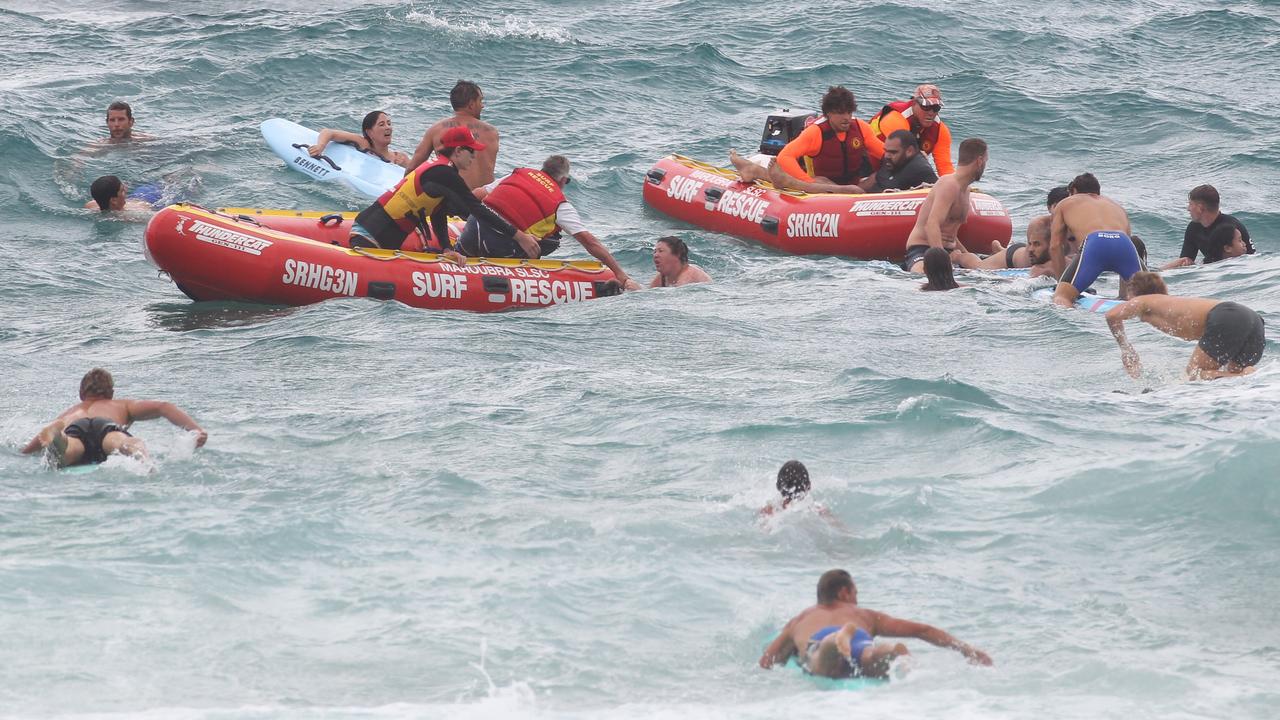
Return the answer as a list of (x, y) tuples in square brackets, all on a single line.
[(1141, 247), (1086, 183), (463, 94), (680, 250), (121, 105), (839, 100), (103, 190), (1206, 194), (557, 166), (972, 149), (367, 124), (937, 268), (793, 480), (1147, 283), (97, 385), (906, 137), (1221, 237), (1057, 195), (830, 585)]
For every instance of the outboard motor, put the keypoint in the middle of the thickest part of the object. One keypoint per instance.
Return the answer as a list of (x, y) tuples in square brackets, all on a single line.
[(782, 127)]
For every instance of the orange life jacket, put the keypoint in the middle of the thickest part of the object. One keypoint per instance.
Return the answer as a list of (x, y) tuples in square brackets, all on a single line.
[(927, 137)]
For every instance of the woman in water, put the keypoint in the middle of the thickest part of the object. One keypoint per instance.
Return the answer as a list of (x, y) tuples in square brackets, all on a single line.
[(938, 269), (375, 140), (671, 260)]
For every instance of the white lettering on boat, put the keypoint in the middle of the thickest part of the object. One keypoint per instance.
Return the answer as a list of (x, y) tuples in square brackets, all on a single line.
[(987, 207), (900, 207), (320, 277), (736, 204), (712, 178), (683, 189), (223, 237), (816, 225), (550, 292), (439, 285)]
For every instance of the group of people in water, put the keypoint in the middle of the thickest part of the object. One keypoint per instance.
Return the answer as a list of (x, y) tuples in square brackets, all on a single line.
[(1084, 235)]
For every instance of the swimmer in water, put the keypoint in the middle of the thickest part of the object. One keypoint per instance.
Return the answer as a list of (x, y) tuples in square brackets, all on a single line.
[(836, 637), (375, 139), (793, 486), (468, 102), (939, 270), (671, 260), (1231, 336), (945, 210), (98, 425), (111, 195), (1106, 245)]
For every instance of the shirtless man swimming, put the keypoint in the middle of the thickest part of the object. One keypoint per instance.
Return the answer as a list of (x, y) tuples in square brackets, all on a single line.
[(835, 638), (946, 209), (1103, 227), (1231, 336), (111, 195), (468, 103), (671, 260), (97, 426)]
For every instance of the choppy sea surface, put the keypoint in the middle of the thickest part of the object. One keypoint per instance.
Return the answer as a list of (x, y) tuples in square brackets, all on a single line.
[(553, 514)]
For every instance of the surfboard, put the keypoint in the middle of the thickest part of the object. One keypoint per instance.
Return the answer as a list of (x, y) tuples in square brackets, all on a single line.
[(834, 684), (79, 469), (1090, 303), (342, 163)]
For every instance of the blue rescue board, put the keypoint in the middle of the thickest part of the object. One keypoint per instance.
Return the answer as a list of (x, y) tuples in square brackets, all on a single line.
[(365, 173), (1092, 303)]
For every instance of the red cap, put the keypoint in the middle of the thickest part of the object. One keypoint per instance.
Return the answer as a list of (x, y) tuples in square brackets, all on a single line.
[(456, 137)]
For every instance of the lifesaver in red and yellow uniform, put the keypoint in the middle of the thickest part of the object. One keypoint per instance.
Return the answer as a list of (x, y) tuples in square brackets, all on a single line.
[(527, 199)]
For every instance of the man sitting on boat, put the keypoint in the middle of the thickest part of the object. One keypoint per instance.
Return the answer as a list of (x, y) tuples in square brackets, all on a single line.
[(533, 202), (919, 115), (838, 148), (903, 167)]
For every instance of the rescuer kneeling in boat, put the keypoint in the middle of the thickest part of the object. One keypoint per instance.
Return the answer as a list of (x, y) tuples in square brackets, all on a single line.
[(433, 190), (838, 148), (532, 201)]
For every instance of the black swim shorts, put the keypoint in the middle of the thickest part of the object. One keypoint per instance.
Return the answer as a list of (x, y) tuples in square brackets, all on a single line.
[(91, 431), (915, 254), (1233, 334)]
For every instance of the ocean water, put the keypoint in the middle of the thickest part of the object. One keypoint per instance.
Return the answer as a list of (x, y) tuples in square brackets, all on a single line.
[(553, 514)]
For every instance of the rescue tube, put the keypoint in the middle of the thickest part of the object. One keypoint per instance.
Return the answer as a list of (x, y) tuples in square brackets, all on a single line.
[(365, 173), (861, 226), (218, 256)]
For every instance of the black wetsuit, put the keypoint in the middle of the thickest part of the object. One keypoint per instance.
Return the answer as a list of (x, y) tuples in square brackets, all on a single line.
[(1196, 239), (90, 432)]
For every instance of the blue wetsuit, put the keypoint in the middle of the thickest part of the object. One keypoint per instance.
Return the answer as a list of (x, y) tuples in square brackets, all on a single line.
[(1102, 251), (860, 641)]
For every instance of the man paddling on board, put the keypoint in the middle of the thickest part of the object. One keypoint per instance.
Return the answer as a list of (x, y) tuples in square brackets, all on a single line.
[(468, 102), (835, 638), (1231, 336), (1103, 227), (946, 209), (97, 426)]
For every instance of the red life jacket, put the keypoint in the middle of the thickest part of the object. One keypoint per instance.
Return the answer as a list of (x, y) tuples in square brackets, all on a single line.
[(841, 162), (927, 138), (527, 199)]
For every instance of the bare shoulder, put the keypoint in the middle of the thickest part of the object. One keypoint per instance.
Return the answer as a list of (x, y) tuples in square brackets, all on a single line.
[(693, 274)]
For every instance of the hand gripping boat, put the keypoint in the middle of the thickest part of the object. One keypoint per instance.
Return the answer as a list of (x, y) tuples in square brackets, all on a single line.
[(220, 256), (862, 226)]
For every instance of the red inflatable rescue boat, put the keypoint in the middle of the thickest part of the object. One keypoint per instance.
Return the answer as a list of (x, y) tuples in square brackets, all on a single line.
[(213, 255), (862, 226)]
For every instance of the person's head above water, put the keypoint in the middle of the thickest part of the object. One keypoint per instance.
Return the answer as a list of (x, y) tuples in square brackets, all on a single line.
[(1224, 242), (466, 95), (1147, 283), (119, 120), (1057, 195), (377, 124), (833, 583), (106, 189), (793, 480), (97, 384), (1085, 183), (938, 269)]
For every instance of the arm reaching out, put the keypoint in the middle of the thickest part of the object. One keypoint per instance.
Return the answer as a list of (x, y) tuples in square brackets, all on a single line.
[(1115, 320), (780, 650), (152, 409), (893, 627), (601, 253)]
